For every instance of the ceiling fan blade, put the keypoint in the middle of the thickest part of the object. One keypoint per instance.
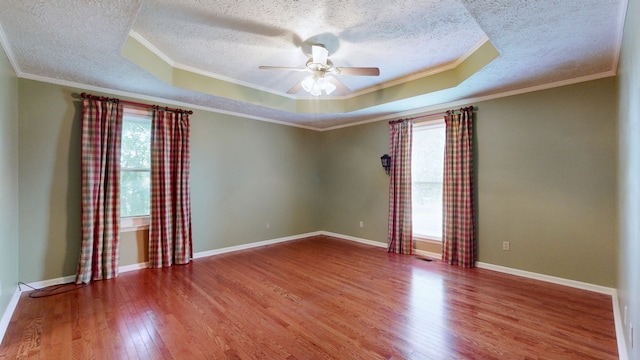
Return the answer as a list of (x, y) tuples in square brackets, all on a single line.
[(320, 54), (358, 71), (341, 89), (295, 88), (283, 68)]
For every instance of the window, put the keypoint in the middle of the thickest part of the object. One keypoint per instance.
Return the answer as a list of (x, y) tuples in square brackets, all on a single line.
[(427, 170), (135, 169)]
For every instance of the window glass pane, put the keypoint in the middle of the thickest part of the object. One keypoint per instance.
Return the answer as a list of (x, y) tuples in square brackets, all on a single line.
[(427, 169), (135, 149), (135, 164), (135, 193)]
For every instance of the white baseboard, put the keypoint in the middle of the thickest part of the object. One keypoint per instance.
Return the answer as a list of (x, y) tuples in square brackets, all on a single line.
[(503, 269), (356, 239), (45, 283), (72, 278), (482, 265), (548, 278), (252, 245), (229, 249), (133, 267), (8, 313), (620, 336), (144, 265), (622, 350), (428, 254)]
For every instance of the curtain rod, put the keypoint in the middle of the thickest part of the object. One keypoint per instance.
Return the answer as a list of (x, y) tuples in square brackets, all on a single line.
[(448, 112), (133, 103)]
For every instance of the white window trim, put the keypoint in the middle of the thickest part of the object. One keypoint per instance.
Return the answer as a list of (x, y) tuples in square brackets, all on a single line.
[(427, 238), (421, 126), (143, 114), (135, 223), (429, 124)]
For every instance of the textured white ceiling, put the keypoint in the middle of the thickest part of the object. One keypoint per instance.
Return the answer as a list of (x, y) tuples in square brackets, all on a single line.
[(540, 42), (233, 39)]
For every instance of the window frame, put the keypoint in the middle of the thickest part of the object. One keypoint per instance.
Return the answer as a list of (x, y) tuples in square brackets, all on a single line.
[(423, 126), (137, 222)]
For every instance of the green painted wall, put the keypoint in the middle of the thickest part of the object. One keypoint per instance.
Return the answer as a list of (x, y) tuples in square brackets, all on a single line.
[(247, 173), (550, 181), (49, 156), (8, 182), (355, 186), (244, 174), (546, 181), (629, 255)]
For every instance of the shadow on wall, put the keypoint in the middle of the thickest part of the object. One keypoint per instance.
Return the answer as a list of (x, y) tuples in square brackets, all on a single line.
[(65, 197), (476, 185)]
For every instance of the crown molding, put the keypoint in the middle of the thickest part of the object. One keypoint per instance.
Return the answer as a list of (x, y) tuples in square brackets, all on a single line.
[(154, 99), (466, 101), (142, 53), (7, 50)]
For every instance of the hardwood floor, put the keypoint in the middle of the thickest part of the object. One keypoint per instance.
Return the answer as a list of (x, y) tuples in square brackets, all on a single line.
[(316, 298)]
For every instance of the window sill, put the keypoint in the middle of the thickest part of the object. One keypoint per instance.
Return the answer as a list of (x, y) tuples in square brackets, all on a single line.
[(134, 223), (424, 238)]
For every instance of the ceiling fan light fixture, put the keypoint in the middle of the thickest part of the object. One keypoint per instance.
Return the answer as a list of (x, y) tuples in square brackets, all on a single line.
[(316, 84), (315, 90), (308, 83), (326, 85), (320, 65)]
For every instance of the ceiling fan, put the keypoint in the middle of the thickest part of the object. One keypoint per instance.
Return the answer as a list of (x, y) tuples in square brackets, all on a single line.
[(320, 65)]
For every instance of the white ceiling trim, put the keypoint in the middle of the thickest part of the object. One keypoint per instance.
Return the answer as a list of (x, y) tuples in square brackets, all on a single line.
[(144, 42), (411, 77), (540, 42), (622, 17), (414, 112), (7, 50), (140, 54), (152, 48), (422, 74), (466, 102), (154, 100)]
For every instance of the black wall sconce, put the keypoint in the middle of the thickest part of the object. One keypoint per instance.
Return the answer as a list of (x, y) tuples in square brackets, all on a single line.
[(386, 162)]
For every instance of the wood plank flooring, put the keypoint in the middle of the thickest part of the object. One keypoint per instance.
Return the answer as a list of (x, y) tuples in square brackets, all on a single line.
[(315, 298)]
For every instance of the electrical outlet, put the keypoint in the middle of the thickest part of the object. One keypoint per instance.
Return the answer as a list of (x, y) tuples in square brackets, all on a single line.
[(505, 245), (267, 225), (361, 223)]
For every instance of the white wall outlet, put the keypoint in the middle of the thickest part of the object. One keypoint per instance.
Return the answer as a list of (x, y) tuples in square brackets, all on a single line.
[(361, 223), (505, 245), (267, 225)]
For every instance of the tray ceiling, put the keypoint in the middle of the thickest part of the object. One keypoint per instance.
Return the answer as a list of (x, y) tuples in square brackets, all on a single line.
[(206, 53)]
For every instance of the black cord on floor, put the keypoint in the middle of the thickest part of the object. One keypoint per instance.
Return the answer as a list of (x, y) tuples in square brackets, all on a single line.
[(419, 257), (51, 290)]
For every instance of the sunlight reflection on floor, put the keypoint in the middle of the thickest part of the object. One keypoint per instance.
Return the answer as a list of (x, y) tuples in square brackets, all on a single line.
[(427, 311)]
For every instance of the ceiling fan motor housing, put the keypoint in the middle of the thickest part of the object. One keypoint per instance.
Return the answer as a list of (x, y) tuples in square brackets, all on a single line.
[(314, 66)]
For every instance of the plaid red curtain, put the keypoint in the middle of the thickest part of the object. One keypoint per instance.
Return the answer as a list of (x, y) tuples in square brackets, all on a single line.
[(100, 168), (170, 239), (459, 236), (399, 237)]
